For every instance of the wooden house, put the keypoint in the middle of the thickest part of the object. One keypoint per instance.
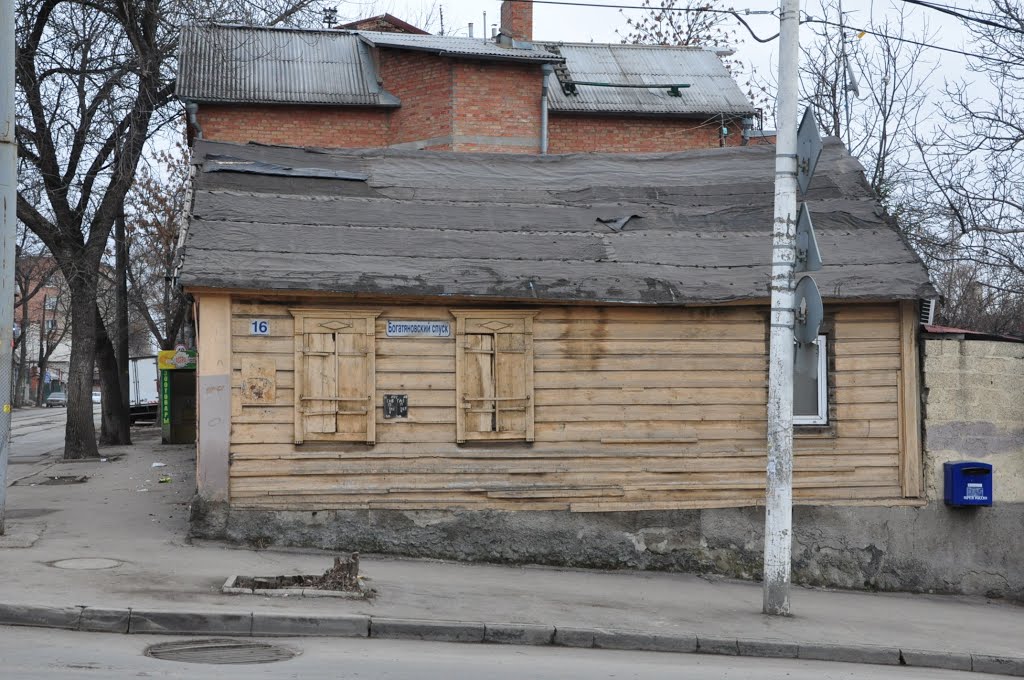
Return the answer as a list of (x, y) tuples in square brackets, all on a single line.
[(386, 331)]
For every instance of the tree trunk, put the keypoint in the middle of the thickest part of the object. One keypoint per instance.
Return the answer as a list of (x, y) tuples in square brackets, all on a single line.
[(115, 423), (80, 431)]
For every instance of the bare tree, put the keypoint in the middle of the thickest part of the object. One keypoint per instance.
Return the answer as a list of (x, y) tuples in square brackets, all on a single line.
[(95, 81), (156, 209), (868, 90), (977, 161), (701, 23), (969, 209)]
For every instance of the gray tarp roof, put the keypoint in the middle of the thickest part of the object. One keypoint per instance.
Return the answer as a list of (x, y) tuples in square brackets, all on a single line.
[(520, 227), (712, 89)]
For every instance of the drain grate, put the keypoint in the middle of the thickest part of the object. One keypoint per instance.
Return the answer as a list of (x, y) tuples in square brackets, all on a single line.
[(219, 652)]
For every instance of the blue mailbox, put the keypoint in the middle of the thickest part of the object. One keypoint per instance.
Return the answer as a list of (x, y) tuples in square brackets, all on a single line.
[(968, 484)]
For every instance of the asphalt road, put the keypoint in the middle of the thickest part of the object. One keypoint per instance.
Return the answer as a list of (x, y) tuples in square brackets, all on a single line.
[(36, 432), (37, 654)]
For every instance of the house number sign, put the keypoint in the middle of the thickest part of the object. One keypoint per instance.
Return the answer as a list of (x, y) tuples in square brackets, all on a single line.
[(259, 327), (419, 329)]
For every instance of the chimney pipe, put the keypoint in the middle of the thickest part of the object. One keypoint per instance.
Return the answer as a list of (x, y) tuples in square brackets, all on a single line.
[(470, 29), (517, 20)]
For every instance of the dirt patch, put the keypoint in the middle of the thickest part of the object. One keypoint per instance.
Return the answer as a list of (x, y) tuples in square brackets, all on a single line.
[(343, 577)]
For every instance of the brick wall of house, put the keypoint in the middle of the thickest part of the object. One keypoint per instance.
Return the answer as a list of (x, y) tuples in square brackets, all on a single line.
[(423, 83), (325, 126), (615, 134), (497, 107)]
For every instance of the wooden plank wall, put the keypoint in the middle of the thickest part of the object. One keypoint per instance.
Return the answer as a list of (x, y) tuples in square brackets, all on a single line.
[(635, 409)]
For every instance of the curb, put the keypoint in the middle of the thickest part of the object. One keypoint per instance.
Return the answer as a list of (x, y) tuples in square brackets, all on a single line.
[(254, 624)]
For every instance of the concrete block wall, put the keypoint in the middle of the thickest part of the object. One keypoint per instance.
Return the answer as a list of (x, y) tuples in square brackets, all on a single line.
[(974, 410)]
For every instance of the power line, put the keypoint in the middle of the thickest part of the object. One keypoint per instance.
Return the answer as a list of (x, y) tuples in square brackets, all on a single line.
[(745, 12), (955, 12), (971, 55), (708, 10), (735, 13), (955, 8)]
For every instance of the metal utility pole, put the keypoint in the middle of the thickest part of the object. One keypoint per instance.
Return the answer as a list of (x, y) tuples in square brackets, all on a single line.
[(8, 235), (778, 521)]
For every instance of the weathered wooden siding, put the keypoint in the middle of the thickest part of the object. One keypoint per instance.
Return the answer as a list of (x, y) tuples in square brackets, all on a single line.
[(634, 409)]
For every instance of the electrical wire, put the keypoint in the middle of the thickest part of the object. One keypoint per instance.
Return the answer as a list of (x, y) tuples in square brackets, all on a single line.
[(954, 12), (708, 10), (735, 13), (955, 8), (746, 12), (971, 55)]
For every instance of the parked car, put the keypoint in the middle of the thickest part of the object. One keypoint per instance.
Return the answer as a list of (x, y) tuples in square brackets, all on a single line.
[(95, 397), (57, 399)]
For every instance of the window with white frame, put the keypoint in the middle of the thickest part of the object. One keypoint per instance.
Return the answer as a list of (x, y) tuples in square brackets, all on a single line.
[(810, 384)]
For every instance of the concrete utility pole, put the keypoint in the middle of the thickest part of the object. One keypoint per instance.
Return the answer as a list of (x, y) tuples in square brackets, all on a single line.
[(8, 235), (778, 520)]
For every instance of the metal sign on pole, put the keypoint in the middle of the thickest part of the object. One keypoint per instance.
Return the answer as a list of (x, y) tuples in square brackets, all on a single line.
[(808, 257), (809, 311), (8, 235), (809, 146)]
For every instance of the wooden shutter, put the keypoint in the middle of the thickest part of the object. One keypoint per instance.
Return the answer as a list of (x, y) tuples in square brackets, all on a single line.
[(335, 375), (494, 386)]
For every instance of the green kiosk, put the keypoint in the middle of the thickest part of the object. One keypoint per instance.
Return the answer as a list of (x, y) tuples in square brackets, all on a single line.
[(178, 395)]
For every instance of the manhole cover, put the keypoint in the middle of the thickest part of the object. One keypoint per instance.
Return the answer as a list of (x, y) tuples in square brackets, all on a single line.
[(62, 479), (219, 652), (86, 563)]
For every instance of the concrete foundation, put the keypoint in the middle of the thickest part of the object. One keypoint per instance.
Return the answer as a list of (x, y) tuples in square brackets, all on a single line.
[(930, 549)]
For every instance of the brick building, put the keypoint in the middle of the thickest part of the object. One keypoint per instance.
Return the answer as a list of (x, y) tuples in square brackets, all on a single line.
[(356, 88)]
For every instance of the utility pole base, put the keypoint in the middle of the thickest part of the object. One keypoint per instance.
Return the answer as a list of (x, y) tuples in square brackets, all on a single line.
[(776, 599)]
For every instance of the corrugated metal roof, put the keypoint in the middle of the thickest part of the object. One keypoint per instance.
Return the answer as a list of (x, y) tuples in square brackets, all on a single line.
[(712, 90), (219, 63), (680, 228), (450, 46)]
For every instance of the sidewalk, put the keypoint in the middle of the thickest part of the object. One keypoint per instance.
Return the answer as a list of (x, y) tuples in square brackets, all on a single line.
[(122, 513)]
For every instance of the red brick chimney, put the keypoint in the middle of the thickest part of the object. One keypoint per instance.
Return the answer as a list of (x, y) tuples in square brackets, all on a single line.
[(517, 19)]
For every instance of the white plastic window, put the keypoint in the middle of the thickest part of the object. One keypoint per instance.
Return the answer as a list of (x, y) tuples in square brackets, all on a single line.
[(810, 385)]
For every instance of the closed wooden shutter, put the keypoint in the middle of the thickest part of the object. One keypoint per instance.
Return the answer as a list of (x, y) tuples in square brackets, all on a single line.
[(494, 386), (334, 360)]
